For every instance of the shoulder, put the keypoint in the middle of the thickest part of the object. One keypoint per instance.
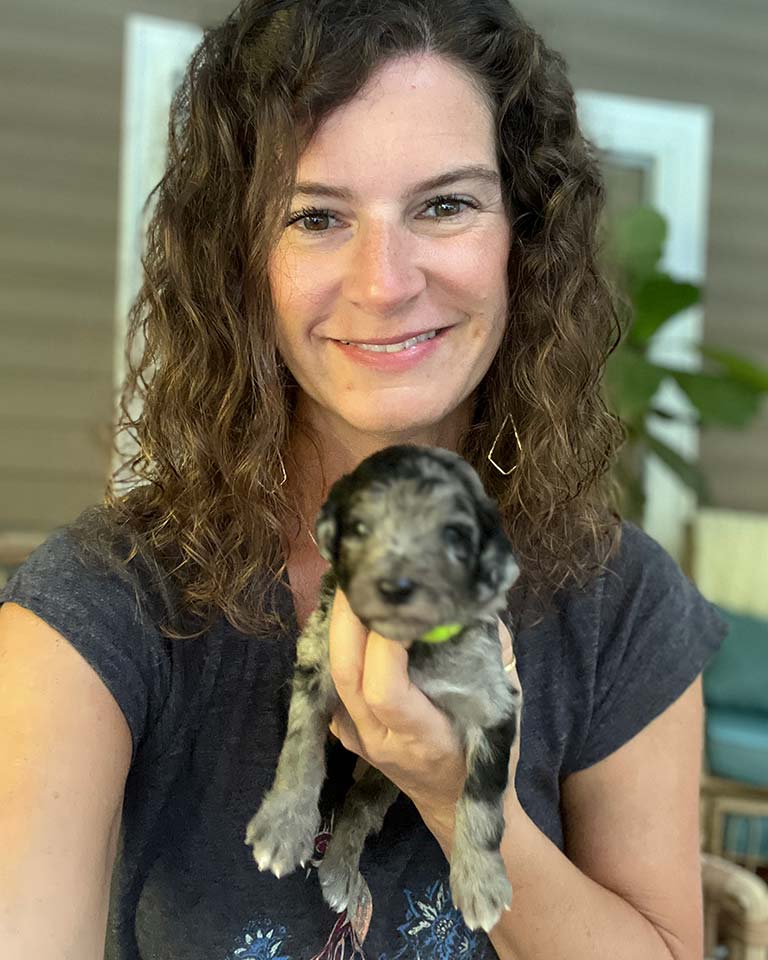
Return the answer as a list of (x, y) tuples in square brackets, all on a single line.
[(637, 572), (632, 562), (652, 635), (643, 588), (106, 612), (61, 565), (637, 556), (90, 564)]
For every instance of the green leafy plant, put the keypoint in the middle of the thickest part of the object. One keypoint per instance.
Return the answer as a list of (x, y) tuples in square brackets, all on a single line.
[(725, 391)]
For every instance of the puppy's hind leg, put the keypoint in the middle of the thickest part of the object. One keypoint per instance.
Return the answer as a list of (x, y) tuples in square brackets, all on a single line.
[(283, 831), (479, 883), (365, 806)]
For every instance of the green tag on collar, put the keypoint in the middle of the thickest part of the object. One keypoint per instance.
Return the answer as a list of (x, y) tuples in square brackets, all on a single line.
[(442, 633)]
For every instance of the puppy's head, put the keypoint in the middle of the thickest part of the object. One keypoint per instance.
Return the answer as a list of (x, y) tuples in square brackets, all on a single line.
[(415, 542)]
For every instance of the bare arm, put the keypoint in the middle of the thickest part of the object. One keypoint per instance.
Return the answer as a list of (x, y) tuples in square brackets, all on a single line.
[(65, 750)]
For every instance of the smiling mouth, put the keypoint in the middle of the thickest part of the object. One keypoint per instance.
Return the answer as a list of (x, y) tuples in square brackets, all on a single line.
[(394, 347)]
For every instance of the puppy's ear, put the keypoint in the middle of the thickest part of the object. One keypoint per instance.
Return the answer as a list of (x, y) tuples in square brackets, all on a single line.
[(328, 530), (497, 568), (330, 520)]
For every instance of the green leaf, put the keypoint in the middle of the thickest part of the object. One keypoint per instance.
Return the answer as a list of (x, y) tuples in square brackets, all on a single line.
[(638, 240), (718, 399), (688, 472), (687, 418), (657, 299), (631, 381), (737, 368)]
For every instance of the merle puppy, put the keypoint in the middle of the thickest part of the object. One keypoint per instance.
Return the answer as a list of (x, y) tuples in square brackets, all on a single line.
[(417, 546)]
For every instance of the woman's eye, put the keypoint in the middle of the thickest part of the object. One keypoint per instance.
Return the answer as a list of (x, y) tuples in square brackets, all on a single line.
[(446, 207), (312, 220)]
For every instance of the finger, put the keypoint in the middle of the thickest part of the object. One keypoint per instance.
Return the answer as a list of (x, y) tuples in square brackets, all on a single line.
[(387, 689), (342, 727), (505, 637), (347, 640), (508, 657)]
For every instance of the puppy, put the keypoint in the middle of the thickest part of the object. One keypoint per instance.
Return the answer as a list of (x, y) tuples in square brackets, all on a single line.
[(417, 546)]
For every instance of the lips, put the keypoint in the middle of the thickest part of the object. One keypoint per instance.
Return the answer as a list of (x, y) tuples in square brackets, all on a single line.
[(387, 341), (394, 347), (395, 358)]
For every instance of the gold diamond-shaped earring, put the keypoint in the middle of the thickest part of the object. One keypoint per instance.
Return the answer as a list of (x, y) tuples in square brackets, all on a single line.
[(506, 473)]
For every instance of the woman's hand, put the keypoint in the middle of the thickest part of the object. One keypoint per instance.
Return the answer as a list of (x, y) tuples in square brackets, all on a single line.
[(389, 722)]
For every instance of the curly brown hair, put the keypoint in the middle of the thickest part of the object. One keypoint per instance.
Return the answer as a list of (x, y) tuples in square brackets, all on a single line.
[(210, 513)]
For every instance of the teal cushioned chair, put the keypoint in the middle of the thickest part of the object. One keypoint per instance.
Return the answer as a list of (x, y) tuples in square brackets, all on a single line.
[(736, 698)]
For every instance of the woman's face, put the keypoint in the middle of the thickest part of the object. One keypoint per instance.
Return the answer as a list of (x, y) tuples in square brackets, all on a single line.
[(397, 229)]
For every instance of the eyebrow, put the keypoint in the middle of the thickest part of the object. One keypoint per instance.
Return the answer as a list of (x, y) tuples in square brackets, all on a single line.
[(470, 172)]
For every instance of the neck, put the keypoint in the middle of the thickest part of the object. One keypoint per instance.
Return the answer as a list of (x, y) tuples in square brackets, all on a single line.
[(323, 448)]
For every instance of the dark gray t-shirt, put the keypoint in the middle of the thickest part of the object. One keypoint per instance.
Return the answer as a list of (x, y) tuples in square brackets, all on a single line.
[(207, 717)]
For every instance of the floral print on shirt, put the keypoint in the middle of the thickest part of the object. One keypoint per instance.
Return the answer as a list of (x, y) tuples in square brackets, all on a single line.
[(433, 928)]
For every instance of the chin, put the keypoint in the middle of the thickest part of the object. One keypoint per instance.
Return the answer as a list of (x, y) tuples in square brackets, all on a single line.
[(396, 420)]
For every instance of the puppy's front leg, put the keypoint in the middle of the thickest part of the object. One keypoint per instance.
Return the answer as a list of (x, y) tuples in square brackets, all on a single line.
[(283, 831), (479, 883)]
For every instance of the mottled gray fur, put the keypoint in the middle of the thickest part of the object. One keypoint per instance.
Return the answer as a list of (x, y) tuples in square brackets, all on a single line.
[(414, 542)]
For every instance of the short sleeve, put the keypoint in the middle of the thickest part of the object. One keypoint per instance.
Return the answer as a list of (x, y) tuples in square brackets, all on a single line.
[(656, 633), (97, 612)]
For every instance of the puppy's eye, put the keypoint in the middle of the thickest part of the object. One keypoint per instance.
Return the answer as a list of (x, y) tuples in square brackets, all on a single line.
[(357, 529), (457, 537)]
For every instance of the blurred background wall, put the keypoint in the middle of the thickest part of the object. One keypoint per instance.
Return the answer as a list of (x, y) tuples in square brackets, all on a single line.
[(60, 104)]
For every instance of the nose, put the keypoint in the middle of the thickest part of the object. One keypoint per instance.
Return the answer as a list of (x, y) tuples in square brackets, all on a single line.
[(395, 590), (382, 273)]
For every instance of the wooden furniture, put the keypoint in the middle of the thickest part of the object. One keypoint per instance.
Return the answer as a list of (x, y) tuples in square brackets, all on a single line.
[(728, 561), (735, 910)]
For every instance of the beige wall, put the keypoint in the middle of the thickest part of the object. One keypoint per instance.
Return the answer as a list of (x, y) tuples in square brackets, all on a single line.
[(59, 126)]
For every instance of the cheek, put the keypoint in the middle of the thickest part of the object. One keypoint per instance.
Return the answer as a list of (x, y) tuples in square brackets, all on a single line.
[(478, 269), (491, 270), (298, 286)]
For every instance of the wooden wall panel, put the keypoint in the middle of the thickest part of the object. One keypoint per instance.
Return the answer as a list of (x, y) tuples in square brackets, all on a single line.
[(60, 100)]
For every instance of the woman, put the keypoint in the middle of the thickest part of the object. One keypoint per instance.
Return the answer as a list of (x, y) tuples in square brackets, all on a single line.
[(344, 177)]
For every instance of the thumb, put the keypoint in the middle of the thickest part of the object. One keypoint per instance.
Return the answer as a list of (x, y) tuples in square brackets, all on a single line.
[(388, 690)]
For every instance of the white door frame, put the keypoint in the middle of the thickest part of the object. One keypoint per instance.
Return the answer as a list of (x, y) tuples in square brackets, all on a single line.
[(673, 142), (155, 53)]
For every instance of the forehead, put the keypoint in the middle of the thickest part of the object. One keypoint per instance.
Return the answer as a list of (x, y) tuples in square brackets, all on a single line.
[(415, 116)]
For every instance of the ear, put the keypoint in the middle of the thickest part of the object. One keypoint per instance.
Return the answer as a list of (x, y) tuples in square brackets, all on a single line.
[(329, 523), (328, 530), (497, 568)]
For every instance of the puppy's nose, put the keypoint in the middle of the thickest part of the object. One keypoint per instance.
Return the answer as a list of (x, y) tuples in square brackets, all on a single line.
[(395, 590)]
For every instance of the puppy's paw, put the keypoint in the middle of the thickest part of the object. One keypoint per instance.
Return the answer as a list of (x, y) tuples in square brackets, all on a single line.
[(339, 875), (342, 889), (480, 888), (282, 834)]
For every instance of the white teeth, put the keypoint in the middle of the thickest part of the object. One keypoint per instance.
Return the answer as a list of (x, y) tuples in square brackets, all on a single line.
[(394, 347)]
